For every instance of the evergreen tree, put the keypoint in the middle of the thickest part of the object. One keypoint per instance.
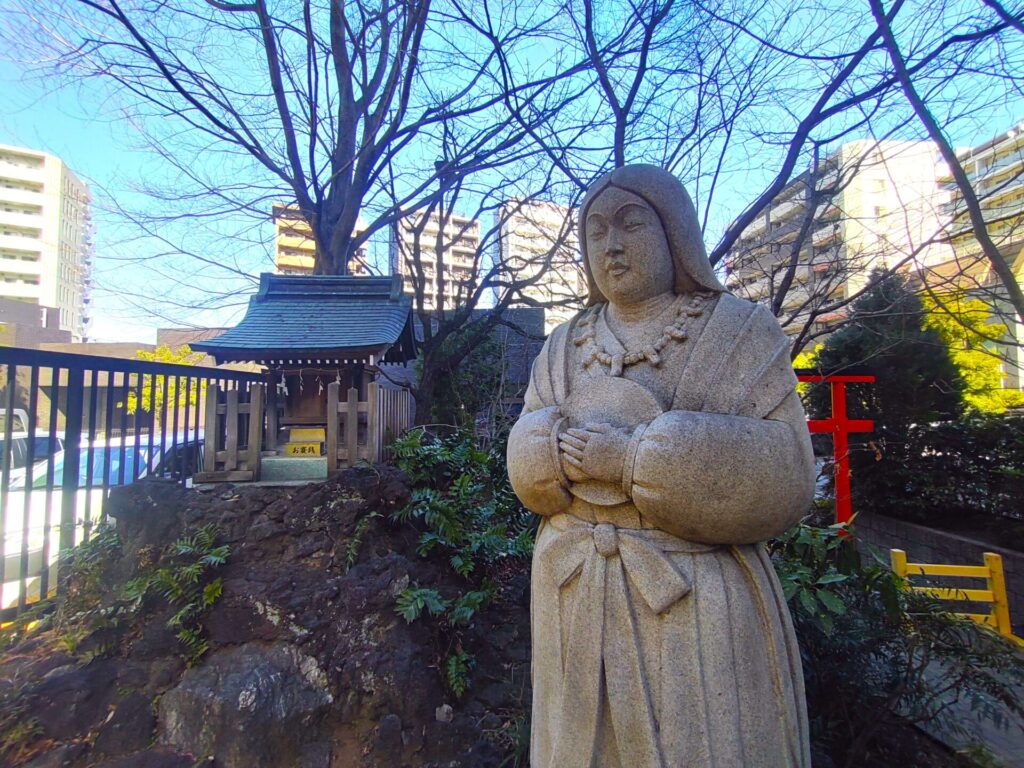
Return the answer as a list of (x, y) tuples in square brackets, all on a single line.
[(917, 384)]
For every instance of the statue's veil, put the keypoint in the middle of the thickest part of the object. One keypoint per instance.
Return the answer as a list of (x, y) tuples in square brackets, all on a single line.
[(669, 199)]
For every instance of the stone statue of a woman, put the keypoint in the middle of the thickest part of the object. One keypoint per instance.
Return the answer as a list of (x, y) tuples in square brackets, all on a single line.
[(662, 440)]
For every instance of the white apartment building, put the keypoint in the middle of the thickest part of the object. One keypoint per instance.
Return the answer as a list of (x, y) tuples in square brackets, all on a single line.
[(867, 204), (537, 235), (45, 235), (295, 248), (413, 246)]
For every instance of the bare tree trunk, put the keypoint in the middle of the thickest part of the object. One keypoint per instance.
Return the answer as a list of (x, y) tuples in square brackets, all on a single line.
[(989, 248), (425, 392)]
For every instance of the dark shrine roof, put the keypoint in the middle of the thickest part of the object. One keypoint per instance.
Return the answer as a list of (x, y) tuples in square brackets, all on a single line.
[(310, 319)]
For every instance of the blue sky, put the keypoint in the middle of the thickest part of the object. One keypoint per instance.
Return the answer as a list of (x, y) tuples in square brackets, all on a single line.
[(84, 125), (73, 125)]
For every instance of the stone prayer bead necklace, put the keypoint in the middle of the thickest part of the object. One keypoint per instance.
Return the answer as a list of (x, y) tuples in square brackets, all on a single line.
[(683, 311)]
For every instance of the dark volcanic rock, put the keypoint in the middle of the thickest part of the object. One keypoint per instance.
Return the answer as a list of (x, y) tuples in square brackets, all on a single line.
[(160, 757), (308, 665), (62, 756), (246, 703), (129, 729), (73, 699)]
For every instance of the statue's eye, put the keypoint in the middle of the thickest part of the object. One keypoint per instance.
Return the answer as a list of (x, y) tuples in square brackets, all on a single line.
[(597, 230), (634, 226)]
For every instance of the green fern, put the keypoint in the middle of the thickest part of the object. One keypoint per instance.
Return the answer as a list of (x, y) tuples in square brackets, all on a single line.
[(464, 510), (352, 553), (414, 600), (463, 609), (457, 669), (185, 585)]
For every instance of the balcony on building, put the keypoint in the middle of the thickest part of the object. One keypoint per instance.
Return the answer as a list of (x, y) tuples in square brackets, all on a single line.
[(16, 242), (758, 290), (22, 174), (755, 228), (16, 192), (21, 215), (825, 235), (1004, 165), (827, 211), (835, 316), (784, 210), (999, 189), (828, 180)]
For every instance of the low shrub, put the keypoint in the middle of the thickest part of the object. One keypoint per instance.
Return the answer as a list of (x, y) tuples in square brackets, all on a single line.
[(877, 656), (955, 471), (89, 616), (464, 508)]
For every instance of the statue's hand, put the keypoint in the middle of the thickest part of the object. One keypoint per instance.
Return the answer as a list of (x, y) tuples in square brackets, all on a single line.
[(573, 471), (596, 451)]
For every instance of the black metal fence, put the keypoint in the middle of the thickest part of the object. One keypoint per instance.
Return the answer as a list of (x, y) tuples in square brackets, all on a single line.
[(72, 427)]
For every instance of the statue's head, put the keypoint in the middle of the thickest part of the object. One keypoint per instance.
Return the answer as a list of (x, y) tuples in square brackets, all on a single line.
[(640, 234)]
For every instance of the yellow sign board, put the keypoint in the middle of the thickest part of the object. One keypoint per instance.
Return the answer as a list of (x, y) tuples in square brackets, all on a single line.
[(302, 449), (307, 434)]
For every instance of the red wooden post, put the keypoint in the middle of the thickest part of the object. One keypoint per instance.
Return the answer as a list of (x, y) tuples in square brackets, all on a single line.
[(840, 426)]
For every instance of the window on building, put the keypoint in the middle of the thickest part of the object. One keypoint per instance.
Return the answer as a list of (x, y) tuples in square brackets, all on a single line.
[(28, 232), (20, 185), (16, 278), (29, 210)]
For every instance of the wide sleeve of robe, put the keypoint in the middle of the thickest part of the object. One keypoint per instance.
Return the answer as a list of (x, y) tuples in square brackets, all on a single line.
[(737, 468), (534, 468)]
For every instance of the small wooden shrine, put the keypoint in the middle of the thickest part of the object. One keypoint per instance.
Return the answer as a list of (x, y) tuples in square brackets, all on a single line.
[(322, 341)]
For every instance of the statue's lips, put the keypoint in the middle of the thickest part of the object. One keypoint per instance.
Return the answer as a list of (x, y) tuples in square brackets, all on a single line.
[(617, 270)]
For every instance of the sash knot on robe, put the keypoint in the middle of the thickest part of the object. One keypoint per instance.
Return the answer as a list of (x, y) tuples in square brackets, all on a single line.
[(603, 670)]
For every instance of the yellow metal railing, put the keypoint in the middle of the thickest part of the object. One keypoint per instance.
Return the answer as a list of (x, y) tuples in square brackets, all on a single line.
[(995, 593)]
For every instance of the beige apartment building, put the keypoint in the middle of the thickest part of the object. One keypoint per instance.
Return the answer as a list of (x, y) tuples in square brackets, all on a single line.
[(867, 204), (534, 235), (459, 250), (295, 248), (995, 170), (45, 235)]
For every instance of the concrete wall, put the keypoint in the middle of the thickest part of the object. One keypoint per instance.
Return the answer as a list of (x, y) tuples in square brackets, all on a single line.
[(26, 324), (928, 545), (175, 337), (122, 350)]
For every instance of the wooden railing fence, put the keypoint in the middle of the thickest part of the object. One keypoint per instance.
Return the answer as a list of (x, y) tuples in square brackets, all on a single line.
[(228, 418), (396, 411), (994, 593), (359, 430)]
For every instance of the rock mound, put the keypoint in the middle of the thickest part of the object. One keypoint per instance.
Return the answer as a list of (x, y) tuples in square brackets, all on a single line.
[(308, 663)]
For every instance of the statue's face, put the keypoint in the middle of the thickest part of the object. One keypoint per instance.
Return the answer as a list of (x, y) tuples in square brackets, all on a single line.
[(627, 249)]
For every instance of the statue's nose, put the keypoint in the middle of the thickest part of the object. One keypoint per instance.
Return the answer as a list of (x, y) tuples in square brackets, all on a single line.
[(612, 243)]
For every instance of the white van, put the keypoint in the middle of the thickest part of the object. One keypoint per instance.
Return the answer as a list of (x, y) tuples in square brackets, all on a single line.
[(20, 421)]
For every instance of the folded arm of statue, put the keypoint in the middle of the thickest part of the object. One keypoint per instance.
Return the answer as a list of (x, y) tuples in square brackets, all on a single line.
[(534, 464), (720, 479), (598, 452)]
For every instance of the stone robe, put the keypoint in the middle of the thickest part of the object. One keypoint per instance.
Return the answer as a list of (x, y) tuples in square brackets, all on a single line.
[(661, 637)]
